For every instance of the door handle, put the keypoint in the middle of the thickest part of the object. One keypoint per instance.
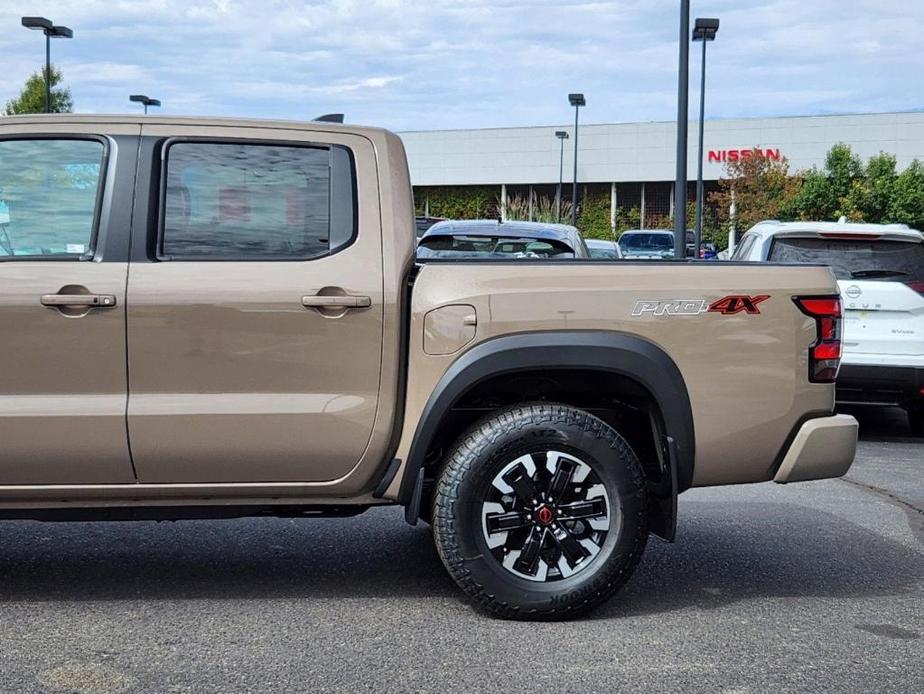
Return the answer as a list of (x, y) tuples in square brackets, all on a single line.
[(321, 301), (88, 300)]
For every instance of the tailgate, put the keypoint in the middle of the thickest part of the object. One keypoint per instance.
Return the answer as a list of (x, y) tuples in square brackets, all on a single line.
[(881, 318)]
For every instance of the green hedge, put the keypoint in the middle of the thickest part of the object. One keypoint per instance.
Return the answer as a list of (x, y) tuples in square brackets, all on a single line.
[(458, 202), (594, 214)]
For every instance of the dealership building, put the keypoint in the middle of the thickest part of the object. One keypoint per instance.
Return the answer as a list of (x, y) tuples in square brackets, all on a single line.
[(633, 163)]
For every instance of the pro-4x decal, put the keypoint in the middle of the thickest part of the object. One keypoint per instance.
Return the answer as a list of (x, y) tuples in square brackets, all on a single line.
[(736, 303), (727, 306)]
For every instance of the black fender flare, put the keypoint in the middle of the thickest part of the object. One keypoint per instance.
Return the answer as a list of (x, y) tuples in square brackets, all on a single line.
[(621, 353)]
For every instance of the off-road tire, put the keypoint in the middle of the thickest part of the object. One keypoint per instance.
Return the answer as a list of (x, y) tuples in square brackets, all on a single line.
[(466, 476)]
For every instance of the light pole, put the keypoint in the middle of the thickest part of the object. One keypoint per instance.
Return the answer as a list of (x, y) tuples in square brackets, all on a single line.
[(146, 100), (562, 135), (704, 30), (51, 31), (680, 182), (576, 100)]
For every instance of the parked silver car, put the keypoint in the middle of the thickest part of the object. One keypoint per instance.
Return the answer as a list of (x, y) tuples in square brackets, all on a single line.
[(603, 249)]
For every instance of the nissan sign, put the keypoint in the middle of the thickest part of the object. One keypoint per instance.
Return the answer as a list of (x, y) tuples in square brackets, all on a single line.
[(724, 155)]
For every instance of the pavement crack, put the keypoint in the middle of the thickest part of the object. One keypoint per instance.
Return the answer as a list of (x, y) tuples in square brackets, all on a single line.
[(883, 492)]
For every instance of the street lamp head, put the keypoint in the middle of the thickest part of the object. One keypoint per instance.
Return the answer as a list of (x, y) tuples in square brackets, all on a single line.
[(561, 134), (45, 25), (705, 29), (142, 99), (577, 100), (37, 23)]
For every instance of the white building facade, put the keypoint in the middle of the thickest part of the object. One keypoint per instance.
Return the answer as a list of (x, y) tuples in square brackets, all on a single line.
[(636, 160)]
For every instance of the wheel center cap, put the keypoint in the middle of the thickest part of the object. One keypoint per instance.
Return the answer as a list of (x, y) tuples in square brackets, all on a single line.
[(544, 515)]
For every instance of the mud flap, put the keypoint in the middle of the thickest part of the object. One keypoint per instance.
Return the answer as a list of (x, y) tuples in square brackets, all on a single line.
[(662, 515), (412, 510)]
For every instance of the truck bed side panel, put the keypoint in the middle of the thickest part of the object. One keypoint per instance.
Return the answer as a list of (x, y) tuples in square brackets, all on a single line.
[(746, 373)]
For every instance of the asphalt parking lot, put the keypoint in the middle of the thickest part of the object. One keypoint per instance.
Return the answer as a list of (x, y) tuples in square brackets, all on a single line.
[(811, 587)]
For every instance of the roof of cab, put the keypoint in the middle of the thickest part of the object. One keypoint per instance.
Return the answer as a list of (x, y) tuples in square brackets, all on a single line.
[(139, 119), (899, 232)]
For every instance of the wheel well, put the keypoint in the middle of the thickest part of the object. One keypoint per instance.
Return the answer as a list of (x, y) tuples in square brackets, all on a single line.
[(620, 401)]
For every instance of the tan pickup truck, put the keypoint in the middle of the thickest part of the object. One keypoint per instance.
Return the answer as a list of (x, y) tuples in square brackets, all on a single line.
[(218, 318)]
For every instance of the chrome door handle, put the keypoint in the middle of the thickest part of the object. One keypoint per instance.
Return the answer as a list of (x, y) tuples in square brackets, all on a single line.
[(90, 300), (320, 301)]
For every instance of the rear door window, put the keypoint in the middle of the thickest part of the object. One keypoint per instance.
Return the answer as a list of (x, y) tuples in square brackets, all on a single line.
[(49, 197), (895, 261), (245, 201)]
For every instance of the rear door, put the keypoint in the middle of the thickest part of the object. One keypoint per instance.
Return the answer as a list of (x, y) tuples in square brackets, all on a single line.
[(882, 291), (255, 306), (65, 206)]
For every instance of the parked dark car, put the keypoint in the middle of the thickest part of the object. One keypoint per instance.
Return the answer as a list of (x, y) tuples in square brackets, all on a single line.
[(647, 244), (659, 243), (479, 238)]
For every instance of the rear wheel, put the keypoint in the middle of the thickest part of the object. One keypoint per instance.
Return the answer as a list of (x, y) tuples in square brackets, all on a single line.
[(540, 512)]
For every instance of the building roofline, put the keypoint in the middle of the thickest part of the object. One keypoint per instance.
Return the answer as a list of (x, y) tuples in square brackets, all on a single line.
[(919, 111)]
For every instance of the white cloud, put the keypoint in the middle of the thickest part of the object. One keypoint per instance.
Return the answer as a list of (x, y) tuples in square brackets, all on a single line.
[(414, 64), (368, 83)]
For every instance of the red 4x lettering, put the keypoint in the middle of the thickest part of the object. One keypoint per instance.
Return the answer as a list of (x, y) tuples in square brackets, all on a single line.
[(736, 303)]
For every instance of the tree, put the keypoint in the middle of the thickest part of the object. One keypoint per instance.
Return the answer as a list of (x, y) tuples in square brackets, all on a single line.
[(906, 204), (838, 189), (760, 187), (880, 182), (32, 97)]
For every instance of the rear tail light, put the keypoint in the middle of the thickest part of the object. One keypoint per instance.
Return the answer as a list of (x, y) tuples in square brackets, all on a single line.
[(917, 285), (825, 352)]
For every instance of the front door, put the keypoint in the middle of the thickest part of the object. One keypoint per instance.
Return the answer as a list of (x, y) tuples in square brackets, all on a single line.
[(256, 315), (62, 307)]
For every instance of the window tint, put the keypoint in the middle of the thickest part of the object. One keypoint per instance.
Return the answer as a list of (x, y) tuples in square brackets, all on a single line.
[(642, 241), (236, 201), (48, 196), (884, 261)]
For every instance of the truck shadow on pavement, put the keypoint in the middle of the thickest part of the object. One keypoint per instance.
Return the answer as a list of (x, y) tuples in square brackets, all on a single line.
[(731, 552), (726, 552)]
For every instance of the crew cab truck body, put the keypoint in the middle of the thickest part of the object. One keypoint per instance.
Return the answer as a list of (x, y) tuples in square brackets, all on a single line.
[(216, 318)]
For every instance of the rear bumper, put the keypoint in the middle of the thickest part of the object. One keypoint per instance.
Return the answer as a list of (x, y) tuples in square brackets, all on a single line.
[(823, 447), (880, 385)]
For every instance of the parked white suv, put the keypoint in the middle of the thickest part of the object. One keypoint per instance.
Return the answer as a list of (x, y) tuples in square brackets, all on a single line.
[(880, 272)]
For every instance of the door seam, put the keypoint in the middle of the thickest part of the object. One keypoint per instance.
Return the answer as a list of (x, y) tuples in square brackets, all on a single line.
[(128, 269)]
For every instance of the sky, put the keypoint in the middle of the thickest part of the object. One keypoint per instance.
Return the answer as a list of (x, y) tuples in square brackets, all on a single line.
[(416, 65)]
